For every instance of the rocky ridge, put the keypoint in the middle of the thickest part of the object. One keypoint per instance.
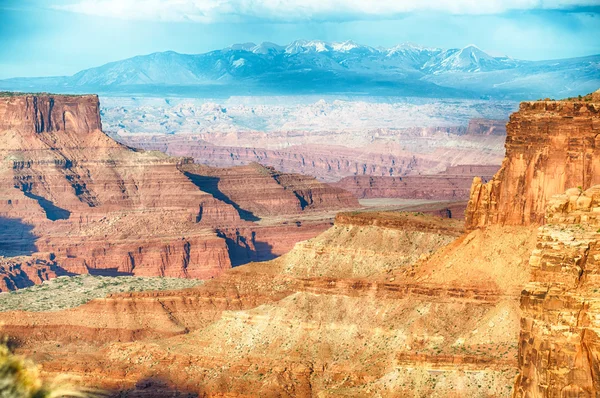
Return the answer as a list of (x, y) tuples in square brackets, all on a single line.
[(452, 184)]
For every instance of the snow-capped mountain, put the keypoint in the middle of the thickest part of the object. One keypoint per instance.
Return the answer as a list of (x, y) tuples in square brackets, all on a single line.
[(468, 59), (314, 66)]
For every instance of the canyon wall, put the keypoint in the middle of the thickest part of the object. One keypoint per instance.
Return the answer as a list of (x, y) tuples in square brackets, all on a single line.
[(73, 195), (331, 155), (91, 203), (550, 146), (260, 191), (559, 346), (452, 184)]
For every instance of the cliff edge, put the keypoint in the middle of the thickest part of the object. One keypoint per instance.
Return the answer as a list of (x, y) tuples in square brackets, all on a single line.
[(550, 146)]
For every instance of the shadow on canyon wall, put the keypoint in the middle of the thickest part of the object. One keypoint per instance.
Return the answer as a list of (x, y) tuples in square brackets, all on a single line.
[(211, 185), (16, 238), (243, 250), (52, 211), (108, 272)]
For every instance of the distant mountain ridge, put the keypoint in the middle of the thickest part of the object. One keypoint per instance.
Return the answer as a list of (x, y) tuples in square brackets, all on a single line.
[(304, 67)]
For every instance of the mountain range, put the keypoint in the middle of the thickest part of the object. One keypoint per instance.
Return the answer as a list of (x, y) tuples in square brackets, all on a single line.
[(318, 67)]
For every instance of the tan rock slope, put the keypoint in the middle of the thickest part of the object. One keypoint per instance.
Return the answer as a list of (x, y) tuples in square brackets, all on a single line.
[(332, 317)]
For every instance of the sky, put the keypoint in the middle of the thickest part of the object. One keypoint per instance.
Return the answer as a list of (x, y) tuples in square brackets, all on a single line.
[(62, 37)]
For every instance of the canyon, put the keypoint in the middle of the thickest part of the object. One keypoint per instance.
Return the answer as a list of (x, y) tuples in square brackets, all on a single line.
[(326, 137), (380, 303), (83, 203), (331, 156)]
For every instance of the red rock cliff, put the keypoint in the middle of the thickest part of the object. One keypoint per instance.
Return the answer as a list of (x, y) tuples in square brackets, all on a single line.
[(90, 203), (550, 146), (559, 346)]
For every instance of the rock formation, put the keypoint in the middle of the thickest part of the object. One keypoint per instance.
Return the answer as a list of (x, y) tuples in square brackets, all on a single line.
[(260, 191), (25, 271), (453, 184), (331, 156), (559, 347), (551, 146), (73, 194), (76, 187), (487, 127)]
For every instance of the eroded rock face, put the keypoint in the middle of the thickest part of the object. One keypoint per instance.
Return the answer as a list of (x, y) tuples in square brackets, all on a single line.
[(342, 314), (260, 191), (453, 184), (72, 193), (25, 271), (94, 204), (559, 346), (486, 127), (550, 146)]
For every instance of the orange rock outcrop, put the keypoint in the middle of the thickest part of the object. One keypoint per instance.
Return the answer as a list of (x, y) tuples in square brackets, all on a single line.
[(550, 146), (559, 346)]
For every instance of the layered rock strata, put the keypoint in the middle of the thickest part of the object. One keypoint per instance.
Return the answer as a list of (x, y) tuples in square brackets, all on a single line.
[(550, 146), (25, 271), (331, 156), (260, 191), (336, 316), (71, 193), (94, 204), (559, 346), (453, 184)]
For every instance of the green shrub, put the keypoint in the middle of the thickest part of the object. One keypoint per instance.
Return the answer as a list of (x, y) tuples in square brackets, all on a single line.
[(20, 378)]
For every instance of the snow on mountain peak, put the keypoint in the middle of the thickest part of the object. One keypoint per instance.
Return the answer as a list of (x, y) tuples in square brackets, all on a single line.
[(243, 46), (267, 47), (345, 46)]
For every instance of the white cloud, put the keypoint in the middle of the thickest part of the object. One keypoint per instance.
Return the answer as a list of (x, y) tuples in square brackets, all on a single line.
[(206, 11)]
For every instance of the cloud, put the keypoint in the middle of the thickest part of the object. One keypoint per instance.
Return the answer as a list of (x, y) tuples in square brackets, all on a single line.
[(208, 11)]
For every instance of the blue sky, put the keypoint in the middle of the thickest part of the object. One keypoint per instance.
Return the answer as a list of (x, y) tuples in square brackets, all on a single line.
[(61, 37)]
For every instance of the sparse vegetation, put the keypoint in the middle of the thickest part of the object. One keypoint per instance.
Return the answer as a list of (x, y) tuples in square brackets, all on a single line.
[(20, 378), (67, 292)]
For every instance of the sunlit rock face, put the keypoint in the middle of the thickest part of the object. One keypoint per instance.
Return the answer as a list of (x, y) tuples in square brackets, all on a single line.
[(76, 198), (551, 146), (559, 347)]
